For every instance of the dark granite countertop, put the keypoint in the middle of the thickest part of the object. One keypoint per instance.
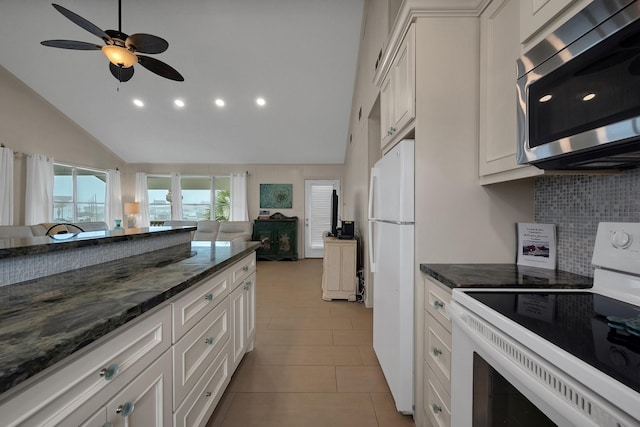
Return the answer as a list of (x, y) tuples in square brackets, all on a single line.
[(45, 320), (504, 275), (42, 244)]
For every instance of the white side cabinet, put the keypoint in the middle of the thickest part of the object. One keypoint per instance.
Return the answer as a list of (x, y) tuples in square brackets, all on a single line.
[(339, 280), (437, 354), (499, 50), (398, 92)]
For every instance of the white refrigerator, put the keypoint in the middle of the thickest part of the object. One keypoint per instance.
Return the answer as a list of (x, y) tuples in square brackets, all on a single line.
[(391, 256)]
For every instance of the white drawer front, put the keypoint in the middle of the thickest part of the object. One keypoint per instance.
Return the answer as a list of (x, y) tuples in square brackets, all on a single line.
[(436, 401), (437, 350), (436, 300), (198, 406), (67, 386), (193, 354), (189, 309), (242, 269)]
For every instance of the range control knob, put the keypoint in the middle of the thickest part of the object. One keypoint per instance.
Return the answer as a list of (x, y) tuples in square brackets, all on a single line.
[(621, 239)]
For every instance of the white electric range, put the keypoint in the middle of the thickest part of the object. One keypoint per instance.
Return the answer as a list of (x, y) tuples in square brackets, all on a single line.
[(553, 357)]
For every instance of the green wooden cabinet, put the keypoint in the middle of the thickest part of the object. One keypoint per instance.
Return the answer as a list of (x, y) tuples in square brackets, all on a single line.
[(279, 237)]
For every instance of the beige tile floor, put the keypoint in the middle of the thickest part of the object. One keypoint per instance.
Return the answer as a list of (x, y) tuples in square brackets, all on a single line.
[(313, 362)]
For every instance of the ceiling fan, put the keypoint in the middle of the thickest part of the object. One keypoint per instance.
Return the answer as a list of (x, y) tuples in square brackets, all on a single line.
[(120, 48)]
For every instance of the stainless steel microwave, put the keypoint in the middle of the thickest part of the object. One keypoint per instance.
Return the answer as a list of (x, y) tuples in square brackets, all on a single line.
[(579, 92)]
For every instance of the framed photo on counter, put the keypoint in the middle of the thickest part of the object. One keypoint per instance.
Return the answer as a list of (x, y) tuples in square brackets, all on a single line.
[(537, 245)]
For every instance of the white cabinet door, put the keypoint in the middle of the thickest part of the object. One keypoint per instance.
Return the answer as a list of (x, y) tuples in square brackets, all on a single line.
[(499, 50), (196, 350), (536, 14), (250, 310), (146, 401), (398, 93), (238, 328)]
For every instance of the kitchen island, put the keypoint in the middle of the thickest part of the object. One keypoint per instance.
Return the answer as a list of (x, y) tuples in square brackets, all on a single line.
[(54, 328)]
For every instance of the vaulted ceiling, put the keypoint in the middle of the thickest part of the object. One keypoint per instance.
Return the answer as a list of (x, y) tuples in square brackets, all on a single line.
[(299, 55)]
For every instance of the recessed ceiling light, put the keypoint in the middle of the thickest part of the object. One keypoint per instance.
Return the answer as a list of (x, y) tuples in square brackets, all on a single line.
[(260, 101), (545, 98), (589, 97), (138, 103), (179, 103), (219, 102)]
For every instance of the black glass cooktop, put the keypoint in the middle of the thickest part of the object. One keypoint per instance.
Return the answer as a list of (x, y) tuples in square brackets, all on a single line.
[(601, 331)]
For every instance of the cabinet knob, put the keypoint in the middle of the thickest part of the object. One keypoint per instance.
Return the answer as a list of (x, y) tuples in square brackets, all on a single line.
[(209, 340), (438, 304), (110, 371), (393, 129), (126, 409), (208, 297), (436, 409), (208, 394), (436, 351), (245, 268)]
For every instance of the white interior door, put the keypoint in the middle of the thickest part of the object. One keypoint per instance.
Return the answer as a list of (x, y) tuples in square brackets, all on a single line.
[(317, 221)]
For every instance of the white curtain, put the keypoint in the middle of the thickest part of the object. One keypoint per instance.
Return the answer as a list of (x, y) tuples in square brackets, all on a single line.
[(6, 186), (142, 197), (38, 204), (239, 210), (176, 197), (113, 202)]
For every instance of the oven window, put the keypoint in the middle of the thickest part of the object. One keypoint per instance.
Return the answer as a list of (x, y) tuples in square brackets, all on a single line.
[(497, 403), (594, 89)]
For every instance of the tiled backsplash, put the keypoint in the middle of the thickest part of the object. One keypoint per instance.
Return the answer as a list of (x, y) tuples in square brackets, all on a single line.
[(577, 203)]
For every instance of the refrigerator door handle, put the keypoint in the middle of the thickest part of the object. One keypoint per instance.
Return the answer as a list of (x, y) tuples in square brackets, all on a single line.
[(372, 263), (372, 182)]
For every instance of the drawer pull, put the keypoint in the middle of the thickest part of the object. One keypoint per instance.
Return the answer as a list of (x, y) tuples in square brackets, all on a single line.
[(245, 268), (126, 409), (110, 371), (208, 297), (208, 394), (436, 409), (209, 340), (436, 351), (437, 304), (247, 286)]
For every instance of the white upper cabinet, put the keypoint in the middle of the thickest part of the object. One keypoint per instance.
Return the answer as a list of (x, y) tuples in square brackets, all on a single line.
[(499, 50), (398, 92), (537, 15)]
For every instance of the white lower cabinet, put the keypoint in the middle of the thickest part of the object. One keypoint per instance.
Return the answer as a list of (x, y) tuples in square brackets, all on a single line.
[(242, 300), (436, 354), (145, 401), (135, 377), (199, 404)]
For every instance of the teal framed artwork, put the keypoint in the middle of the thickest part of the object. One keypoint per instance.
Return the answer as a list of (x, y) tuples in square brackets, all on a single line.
[(276, 196)]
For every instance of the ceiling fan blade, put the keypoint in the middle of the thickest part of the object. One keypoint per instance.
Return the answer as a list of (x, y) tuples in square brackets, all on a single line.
[(160, 68), (79, 20), (71, 44), (121, 73), (147, 43)]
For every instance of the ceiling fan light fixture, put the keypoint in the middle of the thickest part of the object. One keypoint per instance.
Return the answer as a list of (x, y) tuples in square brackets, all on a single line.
[(119, 56)]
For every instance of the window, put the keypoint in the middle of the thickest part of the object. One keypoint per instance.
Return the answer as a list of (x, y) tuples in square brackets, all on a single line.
[(196, 198), (159, 198), (222, 204), (78, 194)]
